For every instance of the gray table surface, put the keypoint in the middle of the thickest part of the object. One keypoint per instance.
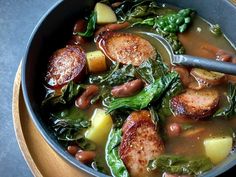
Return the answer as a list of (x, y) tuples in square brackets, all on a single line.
[(17, 20)]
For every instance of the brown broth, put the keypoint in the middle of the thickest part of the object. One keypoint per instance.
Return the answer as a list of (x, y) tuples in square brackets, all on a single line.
[(188, 143)]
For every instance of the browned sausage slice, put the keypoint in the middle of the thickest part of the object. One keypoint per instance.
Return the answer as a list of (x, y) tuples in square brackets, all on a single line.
[(126, 48), (66, 64), (196, 104), (140, 143)]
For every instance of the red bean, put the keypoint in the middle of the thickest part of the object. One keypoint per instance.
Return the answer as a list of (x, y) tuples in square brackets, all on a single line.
[(72, 149), (127, 89), (116, 4), (112, 27), (184, 74), (84, 100), (174, 129), (85, 156), (80, 26)]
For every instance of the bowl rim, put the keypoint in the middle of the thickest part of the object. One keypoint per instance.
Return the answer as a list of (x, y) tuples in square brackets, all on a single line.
[(52, 143)]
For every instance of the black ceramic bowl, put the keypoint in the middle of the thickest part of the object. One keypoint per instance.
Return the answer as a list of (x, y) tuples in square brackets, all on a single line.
[(55, 28)]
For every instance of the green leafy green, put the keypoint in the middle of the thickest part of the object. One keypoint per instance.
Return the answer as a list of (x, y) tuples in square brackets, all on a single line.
[(170, 24), (137, 10), (64, 96), (151, 70), (114, 161), (150, 93), (174, 89), (97, 165), (69, 125), (230, 109), (173, 40), (115, 76), (215, 29), (90, 26), (180, 165)]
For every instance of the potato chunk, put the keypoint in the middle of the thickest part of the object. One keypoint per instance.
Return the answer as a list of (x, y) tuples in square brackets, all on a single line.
[(96, 61), (104, 14), (217, 149), (100, 127)]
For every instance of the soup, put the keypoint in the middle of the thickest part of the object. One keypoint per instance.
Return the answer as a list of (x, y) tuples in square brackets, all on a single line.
[(116, 103)]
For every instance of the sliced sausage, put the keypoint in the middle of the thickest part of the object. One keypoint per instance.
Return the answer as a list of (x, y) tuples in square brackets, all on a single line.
[(196, 104), (140, 143), (207, 78), (65, 65), (126, 48), (128, 89), (84, 100)]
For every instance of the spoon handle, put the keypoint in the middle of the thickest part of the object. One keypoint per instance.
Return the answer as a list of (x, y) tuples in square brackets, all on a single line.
[(208, 64)]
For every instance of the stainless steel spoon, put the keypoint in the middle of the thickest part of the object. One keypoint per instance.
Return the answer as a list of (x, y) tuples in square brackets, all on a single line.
[(196, 62)]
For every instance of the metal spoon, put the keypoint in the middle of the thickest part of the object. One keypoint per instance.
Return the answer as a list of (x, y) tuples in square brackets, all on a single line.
[(196, 62)]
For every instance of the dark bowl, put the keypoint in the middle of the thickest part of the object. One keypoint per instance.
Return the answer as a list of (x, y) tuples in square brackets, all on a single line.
[(55, 28)]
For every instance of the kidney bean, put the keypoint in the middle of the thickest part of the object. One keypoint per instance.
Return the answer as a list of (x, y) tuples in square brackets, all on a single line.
[(76, 40), (116, 4), (83, 101), (127, 89), (174, 129), (72, 149), (112, 27), (85, 156), (183, 73), (80, 26)]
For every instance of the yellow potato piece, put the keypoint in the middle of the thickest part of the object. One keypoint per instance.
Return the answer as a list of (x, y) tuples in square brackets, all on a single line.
[(100, 127), (96, 61), (217, 149), (104, 14)]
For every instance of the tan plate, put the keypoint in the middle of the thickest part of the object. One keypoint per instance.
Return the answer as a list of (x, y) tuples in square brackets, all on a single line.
[(40, 157)]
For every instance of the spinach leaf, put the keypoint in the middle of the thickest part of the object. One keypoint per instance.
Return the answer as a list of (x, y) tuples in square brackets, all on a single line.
[(119, 117), (115, 76), (113, 159), (180, 165), (137, 10), (127, 6), (97, 165), (151, 70), (150, 93), (90, 26), (69, 126), (63, 96), (230, 109), (174, 89)]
